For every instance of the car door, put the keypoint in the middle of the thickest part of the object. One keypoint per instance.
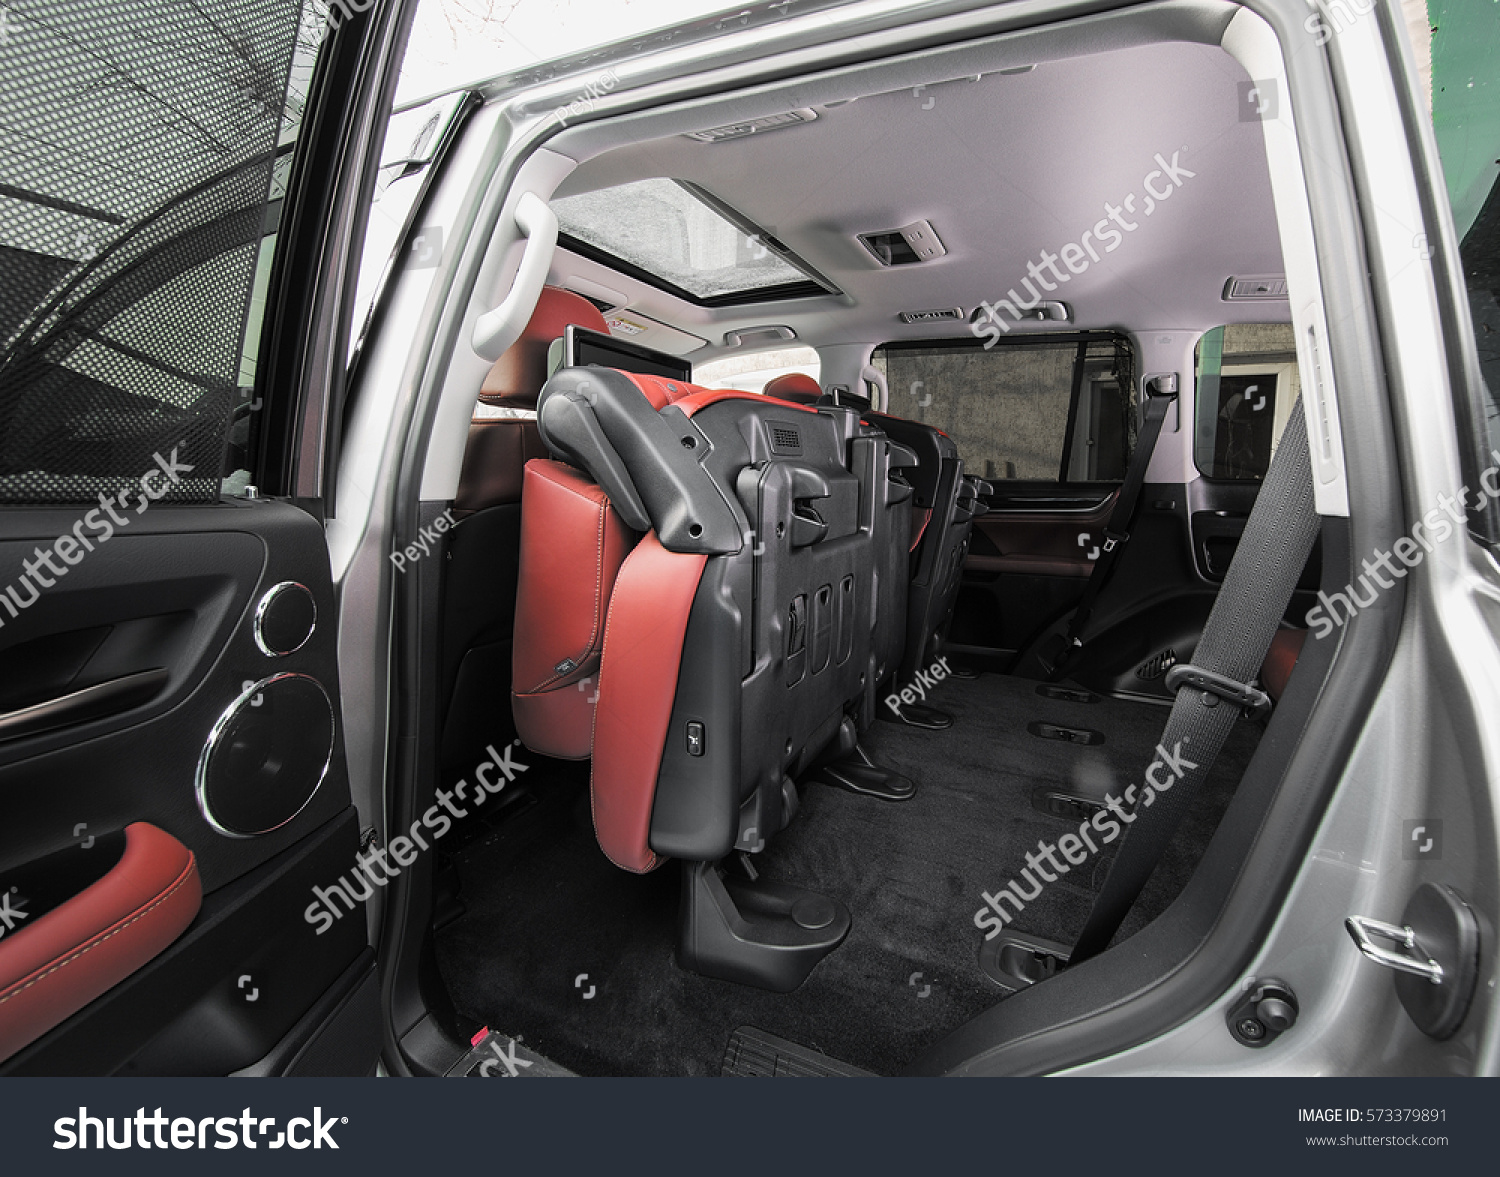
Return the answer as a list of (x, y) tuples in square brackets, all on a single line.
[(181, 188), (1042, 420)]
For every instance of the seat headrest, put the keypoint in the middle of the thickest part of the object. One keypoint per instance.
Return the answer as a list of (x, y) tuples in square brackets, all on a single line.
[(797, 387), (516, 379)]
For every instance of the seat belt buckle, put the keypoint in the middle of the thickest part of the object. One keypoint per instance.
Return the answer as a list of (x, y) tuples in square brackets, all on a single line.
[(1216, 687), (1113, 539)]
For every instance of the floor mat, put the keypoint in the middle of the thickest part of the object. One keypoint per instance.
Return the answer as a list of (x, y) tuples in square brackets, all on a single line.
[(561, 945), (754, 1054)]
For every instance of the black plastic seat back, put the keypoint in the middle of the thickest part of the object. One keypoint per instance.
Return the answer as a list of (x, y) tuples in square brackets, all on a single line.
[(944, 504)]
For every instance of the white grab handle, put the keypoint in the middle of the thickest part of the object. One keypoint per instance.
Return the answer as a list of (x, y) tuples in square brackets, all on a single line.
[(498, 329), (873, 375)]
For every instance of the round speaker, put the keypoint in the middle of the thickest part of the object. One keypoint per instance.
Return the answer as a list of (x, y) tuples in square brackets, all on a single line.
[(266, 756), (285, 619)]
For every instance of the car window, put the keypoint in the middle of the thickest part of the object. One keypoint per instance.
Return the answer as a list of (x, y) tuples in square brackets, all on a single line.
[(1057, 409), (139, 196), (1246, 384), (753, 372)]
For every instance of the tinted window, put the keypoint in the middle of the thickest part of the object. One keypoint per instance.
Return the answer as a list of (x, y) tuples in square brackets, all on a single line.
[(140, 143), (1247, 383), (1039, 410)]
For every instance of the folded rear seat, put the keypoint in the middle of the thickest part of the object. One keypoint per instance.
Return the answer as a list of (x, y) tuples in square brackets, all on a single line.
[(944, 502), (744, 635)]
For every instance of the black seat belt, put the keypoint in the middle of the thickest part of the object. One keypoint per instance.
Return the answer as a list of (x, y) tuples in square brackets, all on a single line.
[(1161, 393), (1214, 690)]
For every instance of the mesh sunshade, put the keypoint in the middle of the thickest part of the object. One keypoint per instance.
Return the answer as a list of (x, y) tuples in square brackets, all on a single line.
[(137, 144)]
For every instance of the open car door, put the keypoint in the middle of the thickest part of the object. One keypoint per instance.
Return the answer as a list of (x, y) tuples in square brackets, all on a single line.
[(181, 187)]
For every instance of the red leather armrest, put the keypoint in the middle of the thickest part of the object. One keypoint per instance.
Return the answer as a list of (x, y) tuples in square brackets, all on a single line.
[(51, 969)]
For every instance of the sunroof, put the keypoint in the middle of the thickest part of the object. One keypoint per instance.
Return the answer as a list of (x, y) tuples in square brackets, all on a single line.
[(668, 234)]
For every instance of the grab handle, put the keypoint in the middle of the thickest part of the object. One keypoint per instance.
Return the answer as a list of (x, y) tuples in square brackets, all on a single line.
[(496, 330)]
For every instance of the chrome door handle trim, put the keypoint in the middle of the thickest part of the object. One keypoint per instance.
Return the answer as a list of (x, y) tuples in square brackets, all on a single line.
[(93, 702)]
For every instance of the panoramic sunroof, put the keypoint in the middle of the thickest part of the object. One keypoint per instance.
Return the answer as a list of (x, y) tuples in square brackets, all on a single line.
[(667, 233)]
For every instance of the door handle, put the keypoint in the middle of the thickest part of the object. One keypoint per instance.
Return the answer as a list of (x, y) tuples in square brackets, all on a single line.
[(53, 962), (101, 699)]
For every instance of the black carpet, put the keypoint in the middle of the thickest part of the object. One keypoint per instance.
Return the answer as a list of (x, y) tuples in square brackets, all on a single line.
[(575, 956)]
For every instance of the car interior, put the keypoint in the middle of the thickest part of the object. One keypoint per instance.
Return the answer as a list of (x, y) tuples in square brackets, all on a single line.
[(774, 525)]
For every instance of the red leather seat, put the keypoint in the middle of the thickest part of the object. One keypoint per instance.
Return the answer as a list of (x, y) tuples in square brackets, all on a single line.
[(484, 549), (1281, 660), (499, 447), (572, 545), (749, 607)]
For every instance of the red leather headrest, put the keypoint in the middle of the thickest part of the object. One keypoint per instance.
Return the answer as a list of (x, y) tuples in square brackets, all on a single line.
[(517, 377), (797, 387)]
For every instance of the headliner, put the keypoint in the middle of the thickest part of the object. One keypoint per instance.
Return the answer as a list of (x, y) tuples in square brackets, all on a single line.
[(1003, 167)]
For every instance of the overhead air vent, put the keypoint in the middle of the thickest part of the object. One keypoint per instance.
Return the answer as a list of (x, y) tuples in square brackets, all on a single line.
[(1256, 287), (771, 122), (938, 316), (913, 243)]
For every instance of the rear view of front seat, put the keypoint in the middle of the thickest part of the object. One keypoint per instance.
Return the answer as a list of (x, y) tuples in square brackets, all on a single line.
[(485, 545), (944, 504), (740, 635)]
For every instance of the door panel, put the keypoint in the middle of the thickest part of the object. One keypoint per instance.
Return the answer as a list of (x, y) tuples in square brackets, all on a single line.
[(167, 635), (1032, 556), (167, 594)]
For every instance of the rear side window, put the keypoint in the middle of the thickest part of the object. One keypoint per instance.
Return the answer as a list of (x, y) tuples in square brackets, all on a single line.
[(753, 372), (142, 157), (1050, 409), (1247, 383)]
